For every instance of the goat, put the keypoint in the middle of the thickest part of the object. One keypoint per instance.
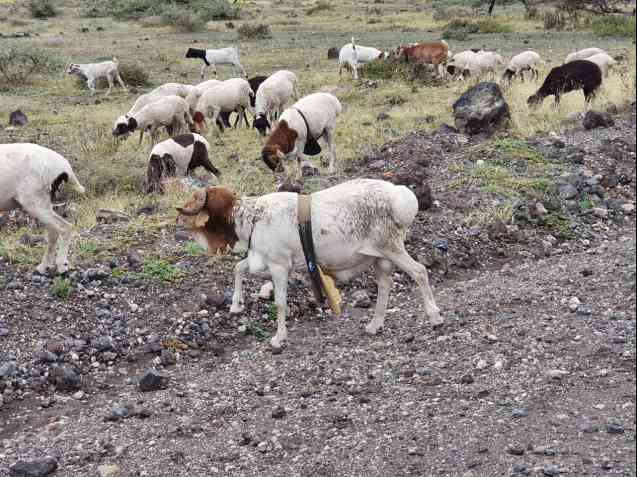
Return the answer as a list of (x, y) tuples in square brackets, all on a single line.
[(91, 72), (352, 55), (435, 53), (30, 176), (578, 74), (357, 225), (271, 97), (604, 61), (583, 54), (223, 56), (525, 61), (231, 95), (298, 130)]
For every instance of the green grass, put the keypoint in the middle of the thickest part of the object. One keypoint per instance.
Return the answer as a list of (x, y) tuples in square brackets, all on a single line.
[(193, 249), (157, 270), (61, 288), (494, 26), (518, 149), (610, 25)]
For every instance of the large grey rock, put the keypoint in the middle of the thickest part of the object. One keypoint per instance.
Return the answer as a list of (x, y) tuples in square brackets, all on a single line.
[(481, 109), (34, 468), (594, 120), (18, 118)]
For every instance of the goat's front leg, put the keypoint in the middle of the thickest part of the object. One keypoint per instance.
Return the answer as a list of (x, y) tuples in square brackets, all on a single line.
[(237, 297), (280, 280), (383, 270), (121, 82), (110, 85)]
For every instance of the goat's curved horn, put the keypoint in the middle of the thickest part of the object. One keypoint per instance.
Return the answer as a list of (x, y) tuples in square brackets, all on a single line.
[(199, 202)]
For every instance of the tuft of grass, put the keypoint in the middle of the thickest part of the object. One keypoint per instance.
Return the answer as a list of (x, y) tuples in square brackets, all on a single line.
[(61, 288), (258, 31), (320, 6), (182, 19), (493, 26), (560, 226), (614, 25), (42, 9), (158, 270), (490, 215), (22, 64), (518, 149), (193, 249)]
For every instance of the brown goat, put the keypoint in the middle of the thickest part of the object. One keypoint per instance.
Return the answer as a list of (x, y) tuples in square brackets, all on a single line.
[(280, 143), (435, 53)]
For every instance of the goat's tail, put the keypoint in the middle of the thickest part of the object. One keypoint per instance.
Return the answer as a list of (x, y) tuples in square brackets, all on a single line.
[(353, 44)]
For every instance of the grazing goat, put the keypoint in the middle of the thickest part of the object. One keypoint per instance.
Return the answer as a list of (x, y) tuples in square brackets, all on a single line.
[(579, 74), (357, 225), (91, 72), (474, 63), (230, 96), (298, 130), (170, 112), (223, 56), (30, 176), (272, 97), (583, 54), (525, 61), (352, 55), (177, 157), (604, 61), (435, 53)]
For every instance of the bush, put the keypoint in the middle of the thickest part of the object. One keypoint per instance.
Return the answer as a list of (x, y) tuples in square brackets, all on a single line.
[(555, 21), (391, 69), (95, 9), (321, 6), (494, 26), (532, 13), (258, 31), (457, 35), (182, 19), (459, 29), (19, 65), (204, 10), (42, 9), (614, 25)]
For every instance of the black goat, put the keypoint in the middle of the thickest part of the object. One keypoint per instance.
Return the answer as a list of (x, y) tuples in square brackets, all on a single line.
[(572, 76)]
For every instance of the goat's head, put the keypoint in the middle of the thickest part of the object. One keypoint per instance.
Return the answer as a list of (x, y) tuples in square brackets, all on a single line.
[(535, 100), (279, 145), (261, 124), (121, 127), (199, 122), (195, 53), (209, 216), (132, 124)]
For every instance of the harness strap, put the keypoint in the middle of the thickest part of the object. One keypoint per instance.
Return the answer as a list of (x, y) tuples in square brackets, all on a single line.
[(304, 216), (307, 126)]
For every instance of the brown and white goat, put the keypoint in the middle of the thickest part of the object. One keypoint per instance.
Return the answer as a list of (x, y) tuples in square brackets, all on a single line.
[(434, 53)]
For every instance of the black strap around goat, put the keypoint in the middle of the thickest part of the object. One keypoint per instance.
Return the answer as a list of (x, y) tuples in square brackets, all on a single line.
[(312, 147), (304, 216)]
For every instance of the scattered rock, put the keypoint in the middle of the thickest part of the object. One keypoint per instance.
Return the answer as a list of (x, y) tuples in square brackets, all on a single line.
[(152, 381), (595, 119), (65, 378), (515, 450), (551, 470), (266, 292), (574, 303), (481, 109), (360, 299), (615, 428), (557, 374), (18, 118), (109, 470), (279, 412), (8, 370), (467, 379), (107, 216), (34, 468), (519, 413), (568, 191)]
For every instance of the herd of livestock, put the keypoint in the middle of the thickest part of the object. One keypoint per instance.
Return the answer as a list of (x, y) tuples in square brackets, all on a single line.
[(357, 225)]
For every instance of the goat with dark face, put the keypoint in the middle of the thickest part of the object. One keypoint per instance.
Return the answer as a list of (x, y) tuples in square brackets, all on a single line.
[(223, 56), (177, 157), (580, 74)]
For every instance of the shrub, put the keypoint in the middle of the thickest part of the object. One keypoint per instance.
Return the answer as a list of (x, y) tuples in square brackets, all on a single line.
[(42, 9), (459, 29), (211, 10), (494, 26), (205, 10), (613, 25), (532, 13), (391, 69), (19, 64), (555, 21), (459, 35), (182, 19), (61, 288), (257, 31), (94, 9), (320, 6)]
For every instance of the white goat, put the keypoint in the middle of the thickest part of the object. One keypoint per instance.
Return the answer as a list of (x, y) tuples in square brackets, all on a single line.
[(272, 97), (357, 225), (223, 56), (299, 129), (94, 71), (30, 176), (583, 54), (195, 94), (171, 112), (352, 55), (231, 95), (604, 61), (525, 61)]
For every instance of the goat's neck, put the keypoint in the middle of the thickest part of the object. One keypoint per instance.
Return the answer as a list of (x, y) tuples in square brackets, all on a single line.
[(245, 215)]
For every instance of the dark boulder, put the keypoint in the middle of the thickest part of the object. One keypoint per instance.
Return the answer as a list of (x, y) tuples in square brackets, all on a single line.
[(18, 118), (594, 120), (481, 109), (34, 468)]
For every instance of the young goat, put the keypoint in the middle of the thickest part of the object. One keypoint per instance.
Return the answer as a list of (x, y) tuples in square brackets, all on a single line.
[(94, 71), (352, 55), (357, 225), (271, 98), (30, 176), (525, 61), (579, 74), (229, 96), (223, 56)]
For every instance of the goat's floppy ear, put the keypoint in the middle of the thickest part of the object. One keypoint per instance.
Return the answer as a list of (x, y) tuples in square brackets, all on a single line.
[(219, 204), (202, 218)]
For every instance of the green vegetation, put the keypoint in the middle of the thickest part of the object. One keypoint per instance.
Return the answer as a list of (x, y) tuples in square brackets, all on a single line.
[(493, 26), (613, 25), (42, 9), (517, 149), (21, 64), (61, 288), (182, 19), (193, 249), (203, 10), (320, 6), (158, 270), (258, 31)]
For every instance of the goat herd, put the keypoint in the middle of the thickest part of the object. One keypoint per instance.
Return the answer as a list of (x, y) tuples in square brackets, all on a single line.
[(357, 225)]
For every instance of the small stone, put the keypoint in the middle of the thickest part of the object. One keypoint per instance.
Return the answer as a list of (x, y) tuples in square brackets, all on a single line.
[(520, 469), (519, 413), (262, 447), (117, 414), (8, 370), (568, 192), (614, 428), (557, 374), (152, 381), (65, 378), (78, 396), (109, 470), (34, 468), (515, 450), (361, 299), (482, 364), (467, 379), (600, 212), (424, 371), (551, 470), (574, 303), (628, 208), (279, 412), (266, 292), (594, 119)]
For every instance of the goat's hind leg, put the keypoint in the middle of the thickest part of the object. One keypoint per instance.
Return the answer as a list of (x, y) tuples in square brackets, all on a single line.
[(419, 274), (383, 270), (280, 280), (237, 297)]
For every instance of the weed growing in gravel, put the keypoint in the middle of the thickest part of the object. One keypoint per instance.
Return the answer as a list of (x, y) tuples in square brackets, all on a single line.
[(517, 149), (158, 270), (559, 225), (270, 311), (61, 288), (193, 249)]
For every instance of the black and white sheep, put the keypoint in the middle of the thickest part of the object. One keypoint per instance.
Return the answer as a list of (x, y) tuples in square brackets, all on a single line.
[(272, 97), (30, 176), (177, 157), (573, 76), (212, 57), (525, 61)]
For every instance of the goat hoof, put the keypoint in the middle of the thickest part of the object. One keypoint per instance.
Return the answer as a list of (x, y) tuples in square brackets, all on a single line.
[(236, 310), (277, 343), (372, 329), (43, 270)]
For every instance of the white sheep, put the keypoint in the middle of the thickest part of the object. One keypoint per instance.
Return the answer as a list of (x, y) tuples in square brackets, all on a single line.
[(352, 55), (177, 157), (195, 94), (583, 54), (525, 61), (231, 95), (94, 71), (474, 63), (298, 130), (30, 176), (272, 97), (223, 56), (604, 61), (171, 112)]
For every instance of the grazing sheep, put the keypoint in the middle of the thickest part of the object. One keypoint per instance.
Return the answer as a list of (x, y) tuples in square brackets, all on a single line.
[(356, 225), (298, 130), (223, 56), (272, 97), (94, 71), (579, 74), (30, 176), (173, 89), (352, 55), (435, 53), (170, 112), (470, 63), (583, 54), (604, 61), (525, 61), (177, 157), (231, 95)]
